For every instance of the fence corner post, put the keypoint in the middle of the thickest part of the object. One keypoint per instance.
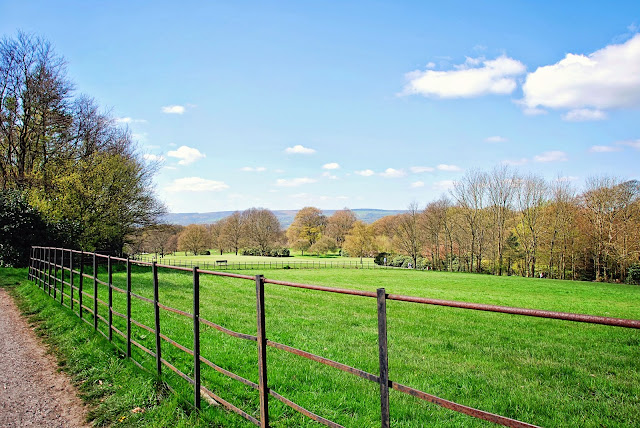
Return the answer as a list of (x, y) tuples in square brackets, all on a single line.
[(196, 337), (128, 308), (156, 299), (263, 389), (384, 360)]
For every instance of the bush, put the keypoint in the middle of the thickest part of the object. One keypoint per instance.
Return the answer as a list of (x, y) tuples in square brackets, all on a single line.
[(633, 274), (379, 259), (205, 253), (272, 252)]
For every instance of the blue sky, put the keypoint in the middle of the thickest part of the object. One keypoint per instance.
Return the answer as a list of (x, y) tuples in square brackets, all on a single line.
[(353, 104)]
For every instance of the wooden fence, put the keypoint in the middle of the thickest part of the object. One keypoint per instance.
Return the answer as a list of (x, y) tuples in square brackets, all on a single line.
[(53, 270)]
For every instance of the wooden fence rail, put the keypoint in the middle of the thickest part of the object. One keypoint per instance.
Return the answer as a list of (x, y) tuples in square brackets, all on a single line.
[(49, 271)]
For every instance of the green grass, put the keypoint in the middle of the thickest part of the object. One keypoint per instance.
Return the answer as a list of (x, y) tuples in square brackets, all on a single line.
[(545, 372), (296, 257)]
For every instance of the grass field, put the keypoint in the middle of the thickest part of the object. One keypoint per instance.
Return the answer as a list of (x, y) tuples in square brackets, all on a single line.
[(545, 372), (296, 257)]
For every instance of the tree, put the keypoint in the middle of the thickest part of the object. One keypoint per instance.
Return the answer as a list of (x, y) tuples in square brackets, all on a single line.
[(359, 242), (531, 196), (501, 184), (408, 236), (307, 227), (323, 246), (231, 232), (157, 238), (261, 229), (193, 238), (339, 225)]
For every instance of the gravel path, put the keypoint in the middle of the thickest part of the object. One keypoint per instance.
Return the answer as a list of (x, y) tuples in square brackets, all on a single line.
[(32, 392)]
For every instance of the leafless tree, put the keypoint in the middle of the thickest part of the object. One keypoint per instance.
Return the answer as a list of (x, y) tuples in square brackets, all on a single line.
[(470, 194), (408, 236), (339, 225), (262, 228)]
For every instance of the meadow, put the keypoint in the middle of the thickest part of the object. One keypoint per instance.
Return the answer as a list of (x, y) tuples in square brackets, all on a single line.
[(544, 372)]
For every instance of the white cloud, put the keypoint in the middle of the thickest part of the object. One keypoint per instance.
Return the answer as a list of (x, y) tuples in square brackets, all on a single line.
[(365, 173), (196, 184), (417, 184), (583, 115), (608, 78), (496, 139), (174, 109), (633, 144), (393, 173), (294, 182), (430, 65), (329, 175), (298, 149), (552, 156), (252, 169), (443, 185), (421, 169), (153, 158), (129, 120), (187, 155), (476, 77), (445, 167), (332, 165), (604, 149)]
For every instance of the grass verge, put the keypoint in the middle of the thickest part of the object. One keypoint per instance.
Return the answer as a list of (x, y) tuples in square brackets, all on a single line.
[(118, 393)]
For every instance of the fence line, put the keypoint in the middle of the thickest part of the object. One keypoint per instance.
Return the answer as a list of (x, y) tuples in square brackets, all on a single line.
[(276, 264), (43, 270)]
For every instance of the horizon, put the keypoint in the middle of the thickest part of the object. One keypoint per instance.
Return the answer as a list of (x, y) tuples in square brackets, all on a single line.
[(263, 105)]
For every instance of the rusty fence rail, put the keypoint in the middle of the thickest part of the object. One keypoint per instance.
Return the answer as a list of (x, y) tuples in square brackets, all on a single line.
[(53, 269), (276, 264)]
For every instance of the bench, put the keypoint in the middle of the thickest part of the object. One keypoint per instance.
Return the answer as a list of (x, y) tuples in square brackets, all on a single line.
[(221, 262)]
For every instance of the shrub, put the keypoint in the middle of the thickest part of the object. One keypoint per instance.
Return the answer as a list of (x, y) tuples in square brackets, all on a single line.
[(205, 253), (633, 274), (379, 259)]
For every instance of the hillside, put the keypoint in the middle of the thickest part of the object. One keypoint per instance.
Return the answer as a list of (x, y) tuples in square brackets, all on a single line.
[(284, 216)]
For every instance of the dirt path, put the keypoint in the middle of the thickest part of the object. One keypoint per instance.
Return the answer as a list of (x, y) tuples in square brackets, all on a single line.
[(32, 392)]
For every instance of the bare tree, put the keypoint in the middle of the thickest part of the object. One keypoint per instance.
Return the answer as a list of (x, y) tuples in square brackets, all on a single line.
[(231, 233), (470, 194), (193, 238), (262, 228), (408, 236), (531, 197), (340, 224), (501, 186)]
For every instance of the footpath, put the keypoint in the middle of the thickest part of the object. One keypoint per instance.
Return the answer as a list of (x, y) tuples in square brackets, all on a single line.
[(33, 393)]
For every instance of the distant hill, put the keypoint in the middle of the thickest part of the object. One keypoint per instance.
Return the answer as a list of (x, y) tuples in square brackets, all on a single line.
[(284, 216)]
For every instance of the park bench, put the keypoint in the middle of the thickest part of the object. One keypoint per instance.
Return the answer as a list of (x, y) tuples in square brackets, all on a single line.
[(221, 262)]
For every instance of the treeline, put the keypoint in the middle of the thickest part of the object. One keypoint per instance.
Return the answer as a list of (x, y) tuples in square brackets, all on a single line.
[(498, 222), (69, 165)]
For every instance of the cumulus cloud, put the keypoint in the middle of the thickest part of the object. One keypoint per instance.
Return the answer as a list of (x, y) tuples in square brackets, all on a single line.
[(393, 173), (196, 184), (417, 184), (300, 150), (187, 155), (551, 156), (365, 173), (175, 109), (153, 158), (476, 77), (604, 149), (583, 115), (294, 182), (496, 139), (253, 169), (421, 169), (606, 79), (332, 165), (451, 168), (129, 120)]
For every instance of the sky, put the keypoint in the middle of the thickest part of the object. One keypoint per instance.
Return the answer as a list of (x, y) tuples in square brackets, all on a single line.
[(376, 104)]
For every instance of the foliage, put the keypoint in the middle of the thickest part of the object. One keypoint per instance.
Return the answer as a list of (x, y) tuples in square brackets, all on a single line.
[(307, 228), (633, 274), (193, 238), (271, 252), (380, 258)]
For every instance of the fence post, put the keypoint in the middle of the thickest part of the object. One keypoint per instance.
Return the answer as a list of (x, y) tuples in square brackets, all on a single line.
[(109, 280), (128, 308), (263, 389), (49, 270), (196, 337), (156, 298), (95, 292), (81, 283), (55, 273), (71, 278), (62, 276), (384, 360)]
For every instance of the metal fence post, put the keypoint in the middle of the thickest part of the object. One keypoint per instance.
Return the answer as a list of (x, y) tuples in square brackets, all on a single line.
[(81, 283), (263, 389), (95, 292), (196, 337), (384, 360), (109, 281), (49, 270), (55, 273), (71, 278), (128, 308), (156, 299), (62, 276)]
